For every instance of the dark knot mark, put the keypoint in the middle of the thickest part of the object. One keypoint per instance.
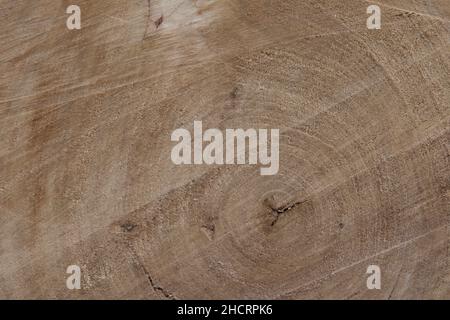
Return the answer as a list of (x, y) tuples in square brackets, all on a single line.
[(234, 93), (278, 212), (128, 227), (407, 14), (159, 21), (209, 230)]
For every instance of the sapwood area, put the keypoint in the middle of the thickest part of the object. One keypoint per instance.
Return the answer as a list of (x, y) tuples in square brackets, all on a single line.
[(86, 177)]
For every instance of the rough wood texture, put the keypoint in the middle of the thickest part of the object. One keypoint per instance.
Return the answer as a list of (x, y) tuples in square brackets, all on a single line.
[(85, 170)]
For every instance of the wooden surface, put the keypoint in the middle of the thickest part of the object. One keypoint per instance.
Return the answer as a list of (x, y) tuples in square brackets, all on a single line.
[(86, 176)]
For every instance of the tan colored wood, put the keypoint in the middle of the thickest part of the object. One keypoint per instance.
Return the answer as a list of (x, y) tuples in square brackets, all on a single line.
[(86, 176)]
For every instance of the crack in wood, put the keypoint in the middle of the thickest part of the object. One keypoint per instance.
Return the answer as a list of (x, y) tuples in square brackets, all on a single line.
[(154, 286), (278, 212)]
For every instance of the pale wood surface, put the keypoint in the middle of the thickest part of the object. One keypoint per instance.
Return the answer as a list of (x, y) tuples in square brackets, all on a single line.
[(85, 170)]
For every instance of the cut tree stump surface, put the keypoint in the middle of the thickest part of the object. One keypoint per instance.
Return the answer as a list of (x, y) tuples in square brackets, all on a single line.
[(86, 176)]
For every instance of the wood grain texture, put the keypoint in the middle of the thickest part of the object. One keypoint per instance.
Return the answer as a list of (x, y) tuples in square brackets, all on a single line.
[(86, 176)]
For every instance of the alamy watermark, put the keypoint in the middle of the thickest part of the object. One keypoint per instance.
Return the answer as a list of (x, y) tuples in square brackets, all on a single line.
[(73, 282), (374, 280), (74, 20), (374, 21), (215, 147)]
